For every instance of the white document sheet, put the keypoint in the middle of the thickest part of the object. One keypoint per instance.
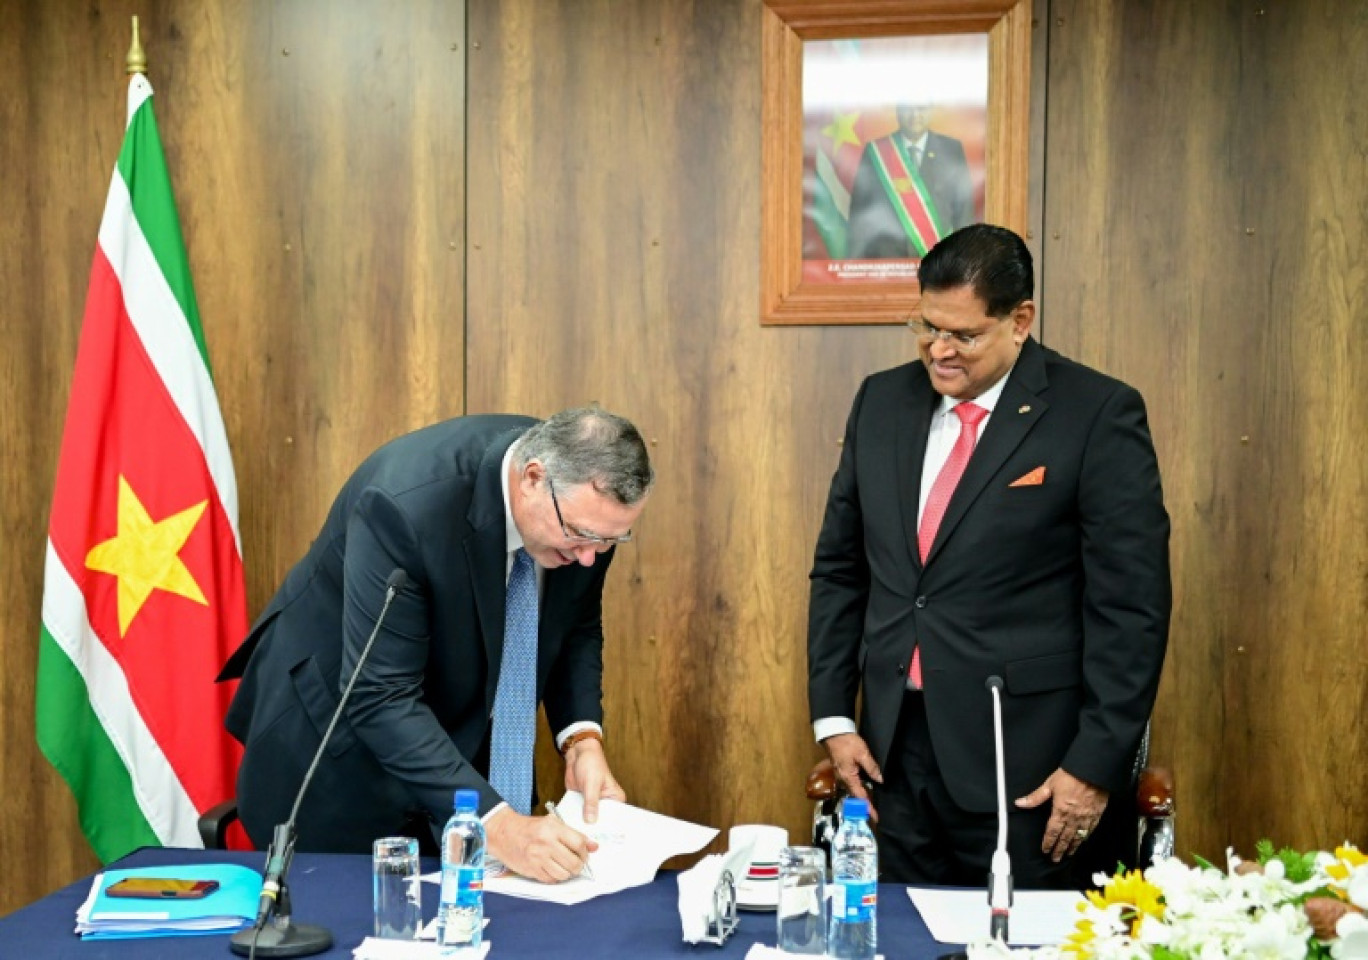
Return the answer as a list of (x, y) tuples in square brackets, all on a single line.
[(633, 843), (429, 930), (1038, 917), (373, 948)]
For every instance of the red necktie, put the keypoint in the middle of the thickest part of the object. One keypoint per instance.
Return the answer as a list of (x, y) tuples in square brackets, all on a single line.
[(969, 414)]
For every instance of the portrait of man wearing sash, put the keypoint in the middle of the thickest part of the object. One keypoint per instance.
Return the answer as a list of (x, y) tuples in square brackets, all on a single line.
[(912, 188), (895, 152)]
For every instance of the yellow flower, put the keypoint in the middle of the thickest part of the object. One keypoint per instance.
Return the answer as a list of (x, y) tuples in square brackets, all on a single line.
[(1347, 860), (1137, 896), (1080, 941)]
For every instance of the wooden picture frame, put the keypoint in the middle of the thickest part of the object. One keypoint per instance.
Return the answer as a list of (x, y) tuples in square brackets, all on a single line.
[(787, 298)]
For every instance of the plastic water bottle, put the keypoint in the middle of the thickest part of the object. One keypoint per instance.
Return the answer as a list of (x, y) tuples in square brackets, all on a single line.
[(853, 932), (460, 909)]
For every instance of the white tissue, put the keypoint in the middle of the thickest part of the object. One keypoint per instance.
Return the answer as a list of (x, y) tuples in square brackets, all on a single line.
[(697, 886), (760, 951)]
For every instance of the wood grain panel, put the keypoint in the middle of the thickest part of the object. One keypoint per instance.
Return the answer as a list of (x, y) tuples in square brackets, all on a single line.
[(614, 249), (1206, 206), (316, 149), (55, 191)]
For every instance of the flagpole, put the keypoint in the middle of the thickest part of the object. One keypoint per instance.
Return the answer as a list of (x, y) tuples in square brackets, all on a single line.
[(136, 61)]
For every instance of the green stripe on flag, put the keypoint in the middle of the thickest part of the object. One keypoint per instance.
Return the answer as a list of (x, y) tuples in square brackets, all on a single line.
[(142, 165), (72, 738), (829, 222)]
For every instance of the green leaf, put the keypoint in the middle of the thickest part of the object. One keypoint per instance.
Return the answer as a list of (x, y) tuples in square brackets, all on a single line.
[(1299, 867)]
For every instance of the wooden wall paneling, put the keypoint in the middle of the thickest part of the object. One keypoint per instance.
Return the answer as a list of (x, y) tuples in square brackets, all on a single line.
[(341, 270), (1035, 162), (317, 154), (54, 197), (614, 249), (1299, 685), (1121, 257), (1191, 253)]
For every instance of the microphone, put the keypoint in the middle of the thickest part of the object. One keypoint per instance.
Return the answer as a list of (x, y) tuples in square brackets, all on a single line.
[(1000, 875), (283, 938)]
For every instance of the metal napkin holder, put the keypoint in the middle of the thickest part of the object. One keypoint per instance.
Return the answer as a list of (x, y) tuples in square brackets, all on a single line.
[(722, 921)]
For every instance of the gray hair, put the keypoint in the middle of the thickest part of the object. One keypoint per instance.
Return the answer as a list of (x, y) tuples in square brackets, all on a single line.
[(590, 445)]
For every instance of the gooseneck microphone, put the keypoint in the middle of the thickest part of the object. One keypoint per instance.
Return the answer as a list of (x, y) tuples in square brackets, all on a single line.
[(283, 937), (1000, 876)]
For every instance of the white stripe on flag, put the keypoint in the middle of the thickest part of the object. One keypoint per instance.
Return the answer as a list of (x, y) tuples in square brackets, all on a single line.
[(827, 174), (156, 787), (138, 91), (166, 336)]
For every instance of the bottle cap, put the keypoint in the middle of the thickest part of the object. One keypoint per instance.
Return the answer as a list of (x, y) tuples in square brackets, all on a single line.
[(467, 800), (854, 808)]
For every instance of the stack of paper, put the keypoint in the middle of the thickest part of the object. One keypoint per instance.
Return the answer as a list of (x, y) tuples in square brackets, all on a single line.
[(1038, 917), (424, 948), (230, 907), (373, 948), (633, 843)]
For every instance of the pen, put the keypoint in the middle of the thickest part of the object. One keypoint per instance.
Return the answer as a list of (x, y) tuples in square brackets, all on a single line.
[(551, 809)]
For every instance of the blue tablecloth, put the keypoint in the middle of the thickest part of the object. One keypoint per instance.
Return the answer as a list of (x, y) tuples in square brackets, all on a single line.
[(334, 891)]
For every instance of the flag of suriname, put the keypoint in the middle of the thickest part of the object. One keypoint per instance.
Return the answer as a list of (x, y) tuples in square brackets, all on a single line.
[(143, 594)]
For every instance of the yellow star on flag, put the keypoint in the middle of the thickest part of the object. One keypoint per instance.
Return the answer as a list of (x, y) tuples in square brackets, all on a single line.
[(145, 555), (842, 130)]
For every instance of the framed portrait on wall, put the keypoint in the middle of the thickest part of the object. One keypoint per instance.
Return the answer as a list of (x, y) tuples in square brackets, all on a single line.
[(886, 127)]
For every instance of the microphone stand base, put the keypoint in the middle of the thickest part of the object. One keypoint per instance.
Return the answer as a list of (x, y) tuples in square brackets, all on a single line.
[(291, 940)]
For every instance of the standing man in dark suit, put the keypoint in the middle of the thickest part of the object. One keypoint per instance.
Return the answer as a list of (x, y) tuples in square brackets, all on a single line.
[(505, 528), (912, 188), (997, 511)]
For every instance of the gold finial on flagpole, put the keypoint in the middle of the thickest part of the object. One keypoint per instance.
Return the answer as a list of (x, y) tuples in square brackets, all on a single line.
[(136, 61)]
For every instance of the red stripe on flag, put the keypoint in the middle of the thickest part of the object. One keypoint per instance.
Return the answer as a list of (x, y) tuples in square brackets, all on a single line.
[(121, 420)]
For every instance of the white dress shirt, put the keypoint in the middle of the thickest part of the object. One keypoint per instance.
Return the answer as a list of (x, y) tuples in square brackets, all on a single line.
[(513, 542)]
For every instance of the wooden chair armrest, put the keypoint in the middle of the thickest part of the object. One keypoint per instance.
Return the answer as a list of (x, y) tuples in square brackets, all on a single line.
[(1154, 795), (821, 782)]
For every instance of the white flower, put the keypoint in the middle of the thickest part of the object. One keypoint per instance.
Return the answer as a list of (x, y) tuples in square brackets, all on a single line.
[(1213, 914), (1276, 935), (1358, 887), (997, 950), (1353, 938)]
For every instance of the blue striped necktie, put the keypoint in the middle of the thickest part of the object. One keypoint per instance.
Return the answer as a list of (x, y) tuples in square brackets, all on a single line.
[(515, 701)]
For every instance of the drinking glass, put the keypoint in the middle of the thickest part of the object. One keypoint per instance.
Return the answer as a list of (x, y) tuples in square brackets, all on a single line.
[(398, 888), (801, 911)]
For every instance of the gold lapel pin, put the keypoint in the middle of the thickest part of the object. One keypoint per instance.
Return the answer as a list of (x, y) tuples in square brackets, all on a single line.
[(1025, 408)]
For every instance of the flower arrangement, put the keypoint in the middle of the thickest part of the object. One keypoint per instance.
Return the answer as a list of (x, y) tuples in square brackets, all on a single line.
[(1285, 906)]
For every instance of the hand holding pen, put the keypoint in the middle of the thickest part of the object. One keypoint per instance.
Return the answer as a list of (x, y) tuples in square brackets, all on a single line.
[(551, 809)]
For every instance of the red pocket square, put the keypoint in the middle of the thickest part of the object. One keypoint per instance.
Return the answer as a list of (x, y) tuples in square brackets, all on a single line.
[(1033, 479)]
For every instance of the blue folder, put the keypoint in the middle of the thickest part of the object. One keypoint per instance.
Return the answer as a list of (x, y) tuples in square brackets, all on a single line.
[(232, 906)]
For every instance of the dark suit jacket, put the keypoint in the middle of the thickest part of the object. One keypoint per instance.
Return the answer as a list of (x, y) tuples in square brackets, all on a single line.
[(430, 502), (875, 230), (1062, 589)]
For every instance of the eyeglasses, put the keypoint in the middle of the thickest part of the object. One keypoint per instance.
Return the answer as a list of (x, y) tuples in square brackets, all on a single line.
[(962, 342), (579, 537)]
